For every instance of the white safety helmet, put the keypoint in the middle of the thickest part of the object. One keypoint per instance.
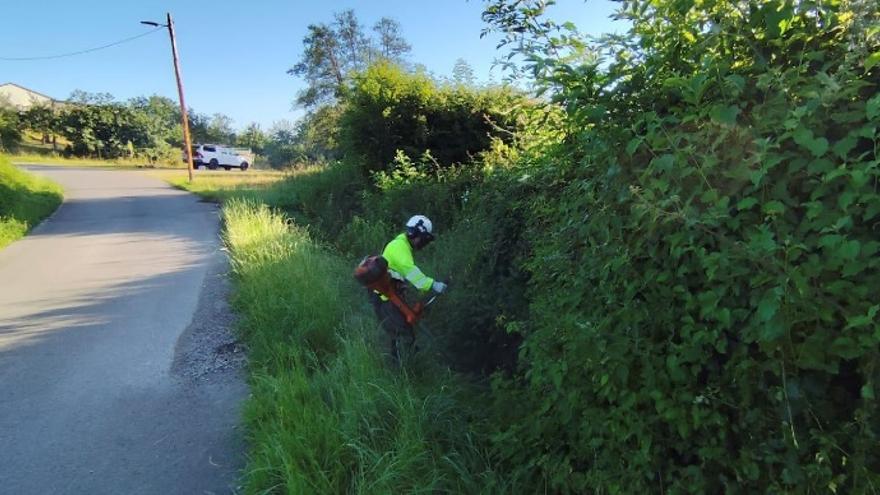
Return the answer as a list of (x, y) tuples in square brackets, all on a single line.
[(420, 225)]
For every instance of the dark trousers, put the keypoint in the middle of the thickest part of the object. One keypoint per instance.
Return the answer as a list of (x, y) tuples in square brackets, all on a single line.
[(394, 324)]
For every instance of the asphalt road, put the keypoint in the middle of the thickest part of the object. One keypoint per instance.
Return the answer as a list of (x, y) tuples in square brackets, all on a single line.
[(93, 304)]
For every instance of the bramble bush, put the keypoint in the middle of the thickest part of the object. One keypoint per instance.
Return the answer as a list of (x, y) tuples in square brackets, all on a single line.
[(703, 311)]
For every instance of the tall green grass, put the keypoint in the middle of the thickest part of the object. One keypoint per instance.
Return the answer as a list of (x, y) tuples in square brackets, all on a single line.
[(220, 186), (329, 413), (24, 201)]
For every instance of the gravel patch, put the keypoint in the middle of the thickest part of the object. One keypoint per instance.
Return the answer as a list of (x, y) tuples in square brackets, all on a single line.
[(209, 350)]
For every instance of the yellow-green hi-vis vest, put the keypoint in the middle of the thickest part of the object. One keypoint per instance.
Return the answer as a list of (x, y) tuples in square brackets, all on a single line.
[(401, 265)]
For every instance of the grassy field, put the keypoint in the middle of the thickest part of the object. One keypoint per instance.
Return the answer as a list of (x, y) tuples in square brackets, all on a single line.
[(329, 412), (24, 201), (221, 185)]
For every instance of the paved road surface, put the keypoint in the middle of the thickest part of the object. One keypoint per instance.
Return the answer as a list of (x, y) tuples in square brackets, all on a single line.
[(92, 305)]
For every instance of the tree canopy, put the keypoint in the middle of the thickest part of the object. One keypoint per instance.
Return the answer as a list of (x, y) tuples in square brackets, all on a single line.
[(332, 53)]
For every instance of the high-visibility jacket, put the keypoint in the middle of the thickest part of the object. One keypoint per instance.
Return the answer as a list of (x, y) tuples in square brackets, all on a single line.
[(401, 265)]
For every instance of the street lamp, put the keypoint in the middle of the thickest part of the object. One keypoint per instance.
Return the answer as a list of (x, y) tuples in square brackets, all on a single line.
[(187, 143)]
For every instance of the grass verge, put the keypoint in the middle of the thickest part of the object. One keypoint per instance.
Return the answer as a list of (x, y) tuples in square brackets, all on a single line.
[(54, 159), (24, 201), (33, 150), (222, 185), (327, 413)]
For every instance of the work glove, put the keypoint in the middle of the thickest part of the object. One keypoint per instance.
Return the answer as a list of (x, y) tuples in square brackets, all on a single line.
[(438, 287)]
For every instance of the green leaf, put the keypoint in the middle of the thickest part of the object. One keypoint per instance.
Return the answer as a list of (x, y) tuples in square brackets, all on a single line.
[(746, 203), (859, 178), (772, 330), (863, 320), (723, 317), (872, 108), (776, 18), (818, 146), (762, 240), (769, 304), (867, 392), (814, 208), (849, 249), (844, 146), (773, 207), (872, 60), (737, 81), (846, 347), (820, 165), (724, 115), (633, 145), (812, 353), (805, 138), (664, 162), (830, 240), (846, 199), (675, 371), (756, 176)]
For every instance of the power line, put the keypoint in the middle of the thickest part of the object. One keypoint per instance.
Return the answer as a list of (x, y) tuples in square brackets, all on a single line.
[(89, 50)]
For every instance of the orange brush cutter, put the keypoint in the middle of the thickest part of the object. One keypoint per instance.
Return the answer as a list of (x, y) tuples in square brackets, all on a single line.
[(373, 274)]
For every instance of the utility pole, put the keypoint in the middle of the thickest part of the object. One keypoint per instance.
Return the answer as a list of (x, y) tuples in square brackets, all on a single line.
[(187, 142)]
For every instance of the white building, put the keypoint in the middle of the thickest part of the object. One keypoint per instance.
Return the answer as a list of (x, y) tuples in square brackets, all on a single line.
[(23, 98)]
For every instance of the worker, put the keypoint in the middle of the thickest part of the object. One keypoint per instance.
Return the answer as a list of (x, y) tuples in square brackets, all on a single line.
[(402, 268)]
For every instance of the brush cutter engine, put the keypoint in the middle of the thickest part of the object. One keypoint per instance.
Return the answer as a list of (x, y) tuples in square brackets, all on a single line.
[(373, 274)]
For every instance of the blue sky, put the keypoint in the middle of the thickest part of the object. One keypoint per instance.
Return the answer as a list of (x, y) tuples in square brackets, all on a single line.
[(234, 54)]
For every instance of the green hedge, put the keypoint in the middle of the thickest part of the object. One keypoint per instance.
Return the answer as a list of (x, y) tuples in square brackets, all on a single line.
[(705, 265), (389, 110)]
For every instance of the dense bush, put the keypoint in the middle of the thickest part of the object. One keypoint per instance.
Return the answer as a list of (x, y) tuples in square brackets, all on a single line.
[(10, 132), (312, 140), (388, 110), (703, 311), (107, 131)]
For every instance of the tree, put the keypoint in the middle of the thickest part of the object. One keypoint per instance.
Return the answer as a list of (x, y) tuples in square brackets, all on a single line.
[(10, 132), (391, 44), (317, 134), (163, 118), (280, 147), (333, 53), (198, 126), (42, 119), (355, 44), (463, 73), (253, 137), (220, 129), (320, 66), (106, 130)]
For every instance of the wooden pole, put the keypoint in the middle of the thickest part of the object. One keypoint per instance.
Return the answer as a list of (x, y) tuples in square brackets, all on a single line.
[(187, 143)]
